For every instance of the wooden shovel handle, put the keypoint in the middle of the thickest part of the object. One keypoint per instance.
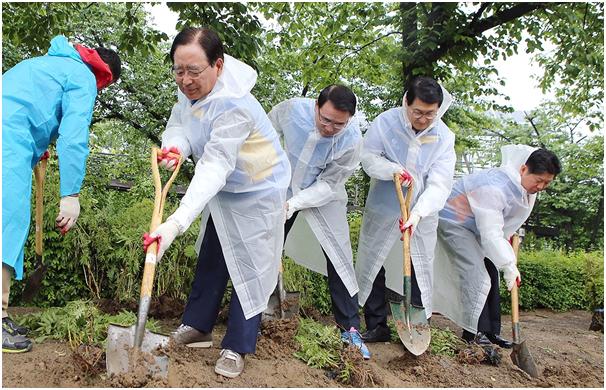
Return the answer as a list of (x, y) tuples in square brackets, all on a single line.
[(39, 174), (149, 269), (404, 210), (515, 315)]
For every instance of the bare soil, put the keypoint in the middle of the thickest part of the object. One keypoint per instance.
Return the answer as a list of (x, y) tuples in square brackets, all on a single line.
[(566, 352)]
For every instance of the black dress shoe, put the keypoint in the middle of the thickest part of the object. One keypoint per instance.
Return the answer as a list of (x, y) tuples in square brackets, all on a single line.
[(479, 338), (377, 335), (498, 340)]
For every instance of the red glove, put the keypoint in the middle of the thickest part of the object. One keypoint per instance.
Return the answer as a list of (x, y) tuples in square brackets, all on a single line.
[(405, 178), (168, 158), (402, 228), (45, 156), (148, 240)]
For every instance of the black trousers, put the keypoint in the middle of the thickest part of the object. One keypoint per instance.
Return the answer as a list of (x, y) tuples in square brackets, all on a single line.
[(490, 318), (375, 308), (344, 306), (207, 292)]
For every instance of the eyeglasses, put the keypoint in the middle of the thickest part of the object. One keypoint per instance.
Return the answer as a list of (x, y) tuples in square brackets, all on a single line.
[(416, 114), (193, 72), (327, 122)]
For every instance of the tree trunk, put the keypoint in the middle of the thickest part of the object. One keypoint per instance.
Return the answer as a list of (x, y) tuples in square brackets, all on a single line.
[(408, 12)]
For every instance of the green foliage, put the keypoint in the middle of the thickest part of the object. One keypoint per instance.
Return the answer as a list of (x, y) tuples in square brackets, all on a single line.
[(444, 342), (312, 285), (102, 256), (319, 345), (79, 322), (354, 219), (559, 281), (575, 71)]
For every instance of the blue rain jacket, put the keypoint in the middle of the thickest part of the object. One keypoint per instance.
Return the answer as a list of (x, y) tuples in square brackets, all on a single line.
[(44, 99)]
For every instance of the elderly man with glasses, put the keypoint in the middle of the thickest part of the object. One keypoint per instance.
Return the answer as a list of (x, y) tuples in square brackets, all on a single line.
[(414, 142), (323, 142)]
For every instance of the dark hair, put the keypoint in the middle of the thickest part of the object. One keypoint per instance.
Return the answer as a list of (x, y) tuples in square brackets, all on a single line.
[(208, 40), (543, 160), (112, 59), (425, 89), (340, 96)]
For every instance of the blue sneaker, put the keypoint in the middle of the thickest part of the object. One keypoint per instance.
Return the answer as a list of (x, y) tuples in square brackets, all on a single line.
[(353, 337)]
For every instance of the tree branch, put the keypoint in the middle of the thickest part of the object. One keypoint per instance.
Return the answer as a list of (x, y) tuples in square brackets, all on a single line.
[(500, 135), (536, 130), (479, 12), (118, 115), (359, 49), (477, 28)]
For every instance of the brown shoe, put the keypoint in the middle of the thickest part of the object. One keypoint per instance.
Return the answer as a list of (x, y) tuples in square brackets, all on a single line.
[(230, 364), (192, 337)]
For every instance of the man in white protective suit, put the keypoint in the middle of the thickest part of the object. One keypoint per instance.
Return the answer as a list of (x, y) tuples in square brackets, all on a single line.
[(322, 140), (482, 212), (239, 186), (414, 142)]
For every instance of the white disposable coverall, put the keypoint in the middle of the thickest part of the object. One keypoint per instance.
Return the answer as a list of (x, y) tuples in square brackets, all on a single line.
[(484, 209), (241, 178), (390, 145), (320, 167)]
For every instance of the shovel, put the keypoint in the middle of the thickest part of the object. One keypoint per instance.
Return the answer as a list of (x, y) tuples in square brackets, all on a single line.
[(520, 355), (34, 281), (282, 304), (129, 348), (410, 320)]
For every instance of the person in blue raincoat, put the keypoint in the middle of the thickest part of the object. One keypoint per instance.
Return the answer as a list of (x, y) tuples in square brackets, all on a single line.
[(45, 99)]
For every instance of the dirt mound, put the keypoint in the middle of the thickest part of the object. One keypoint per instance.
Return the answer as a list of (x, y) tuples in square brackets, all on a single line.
[(567, 353), (277, 339)]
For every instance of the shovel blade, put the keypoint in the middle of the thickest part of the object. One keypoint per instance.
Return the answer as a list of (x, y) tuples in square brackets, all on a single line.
[(412, 327), (290, 305), (521, 357), (289, 309), (34, 282), (122, 357)]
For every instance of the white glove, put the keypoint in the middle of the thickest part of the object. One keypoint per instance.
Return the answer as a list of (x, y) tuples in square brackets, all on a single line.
[(512, 275), (291, 208), (411, 223), (165, 235), (69, 209)]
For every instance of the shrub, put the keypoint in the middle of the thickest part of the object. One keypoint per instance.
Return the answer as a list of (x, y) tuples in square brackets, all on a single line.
[(79, 322), (312, 286), (559, 281), (102, 256)]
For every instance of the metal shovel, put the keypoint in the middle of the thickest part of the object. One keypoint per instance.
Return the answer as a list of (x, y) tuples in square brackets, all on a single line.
[(34, 281), (129, 348), (411, 322), (282, 304), (520, 355)]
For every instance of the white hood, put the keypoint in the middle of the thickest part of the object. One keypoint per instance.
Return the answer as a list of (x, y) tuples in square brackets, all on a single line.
[(512, 159), (236, 80), (446, 102)]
